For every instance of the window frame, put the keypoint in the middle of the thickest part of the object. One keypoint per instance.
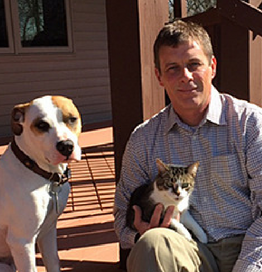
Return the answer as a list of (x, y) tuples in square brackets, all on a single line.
[(13, 33)]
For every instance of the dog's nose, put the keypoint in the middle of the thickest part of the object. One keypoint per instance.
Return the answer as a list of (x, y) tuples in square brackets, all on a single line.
[(65, 147)]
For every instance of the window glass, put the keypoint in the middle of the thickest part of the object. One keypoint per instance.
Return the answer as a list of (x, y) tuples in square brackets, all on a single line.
[(3, 31), (199, 6), (42, 23)]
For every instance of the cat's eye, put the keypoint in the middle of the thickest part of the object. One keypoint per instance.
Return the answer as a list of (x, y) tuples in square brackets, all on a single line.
[(168, 184), (185, 185)]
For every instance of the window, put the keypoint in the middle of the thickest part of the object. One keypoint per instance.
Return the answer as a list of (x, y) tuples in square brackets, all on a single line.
[(193, 7), (199, 6), (6, 45), (3, 28), (36, 26)]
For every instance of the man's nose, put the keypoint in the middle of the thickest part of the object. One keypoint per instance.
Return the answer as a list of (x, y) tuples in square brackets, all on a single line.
[(186, 74)]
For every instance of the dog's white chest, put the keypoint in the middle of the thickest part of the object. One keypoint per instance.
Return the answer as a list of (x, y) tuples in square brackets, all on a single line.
[(27, 197)]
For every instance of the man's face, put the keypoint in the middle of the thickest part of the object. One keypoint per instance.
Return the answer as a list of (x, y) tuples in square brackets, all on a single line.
[(186, 74)]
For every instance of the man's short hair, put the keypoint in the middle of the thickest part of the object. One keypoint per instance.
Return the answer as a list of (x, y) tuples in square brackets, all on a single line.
[(178, 32)]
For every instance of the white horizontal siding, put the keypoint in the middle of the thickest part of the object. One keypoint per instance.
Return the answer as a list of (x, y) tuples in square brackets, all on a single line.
[(82, 75)]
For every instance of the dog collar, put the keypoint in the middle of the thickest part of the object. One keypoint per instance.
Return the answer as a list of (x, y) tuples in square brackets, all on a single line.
[(32, 165)]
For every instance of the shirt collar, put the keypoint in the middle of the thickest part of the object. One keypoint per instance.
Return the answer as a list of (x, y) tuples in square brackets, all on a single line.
[(215, 113), (172, 118)]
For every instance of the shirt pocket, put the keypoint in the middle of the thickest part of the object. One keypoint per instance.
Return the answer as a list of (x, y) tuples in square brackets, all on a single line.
[(229, 171)]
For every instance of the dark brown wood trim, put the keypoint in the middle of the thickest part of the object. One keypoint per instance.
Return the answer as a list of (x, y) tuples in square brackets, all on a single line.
[(242, 13)]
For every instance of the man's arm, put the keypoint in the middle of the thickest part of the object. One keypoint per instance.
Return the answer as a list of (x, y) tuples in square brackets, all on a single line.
[(135, 172), (250, 257)]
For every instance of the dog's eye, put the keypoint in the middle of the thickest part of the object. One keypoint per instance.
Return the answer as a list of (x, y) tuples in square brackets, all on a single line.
[(72, 120), (43, 126)]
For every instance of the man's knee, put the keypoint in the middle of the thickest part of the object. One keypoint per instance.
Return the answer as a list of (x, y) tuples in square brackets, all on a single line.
[(158, 236), (157, 249)]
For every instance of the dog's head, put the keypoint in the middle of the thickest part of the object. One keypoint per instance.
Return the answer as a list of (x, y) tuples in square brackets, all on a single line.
[(47, 129)]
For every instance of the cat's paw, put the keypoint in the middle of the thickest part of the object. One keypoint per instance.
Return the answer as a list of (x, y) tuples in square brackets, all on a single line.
[(187, 235), (183, 231), (178, 227)]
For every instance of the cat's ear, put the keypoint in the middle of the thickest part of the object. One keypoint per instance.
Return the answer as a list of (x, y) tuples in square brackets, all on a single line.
[(162, 167), (192, 169)]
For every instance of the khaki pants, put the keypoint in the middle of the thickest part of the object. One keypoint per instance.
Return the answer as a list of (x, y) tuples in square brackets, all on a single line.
[(164, 250)]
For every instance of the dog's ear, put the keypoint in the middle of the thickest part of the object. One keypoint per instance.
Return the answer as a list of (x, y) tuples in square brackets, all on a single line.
[(17, 118)]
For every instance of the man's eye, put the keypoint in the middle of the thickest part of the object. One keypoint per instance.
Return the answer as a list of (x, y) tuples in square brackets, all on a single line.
[(42, 126), (174, 68), (193, 66)]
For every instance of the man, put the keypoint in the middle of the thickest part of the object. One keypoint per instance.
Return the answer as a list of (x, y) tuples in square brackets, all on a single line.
[(222, 133)]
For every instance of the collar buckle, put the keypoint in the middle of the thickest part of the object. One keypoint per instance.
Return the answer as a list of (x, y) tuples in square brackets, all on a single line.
[(61, 178)]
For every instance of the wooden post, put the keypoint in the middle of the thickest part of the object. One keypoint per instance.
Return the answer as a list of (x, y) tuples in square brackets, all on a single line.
[(135, 92), (255, 69), (233, 59), (255, 63)]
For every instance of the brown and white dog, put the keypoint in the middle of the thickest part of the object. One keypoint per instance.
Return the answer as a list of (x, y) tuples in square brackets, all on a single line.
[(33, 187)]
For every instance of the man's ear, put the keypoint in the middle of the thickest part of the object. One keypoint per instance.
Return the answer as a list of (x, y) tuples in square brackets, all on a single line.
[(158, 76), (214, 66), (17, 118)]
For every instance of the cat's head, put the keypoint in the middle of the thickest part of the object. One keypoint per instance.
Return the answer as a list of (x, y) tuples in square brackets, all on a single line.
[(176, 182)]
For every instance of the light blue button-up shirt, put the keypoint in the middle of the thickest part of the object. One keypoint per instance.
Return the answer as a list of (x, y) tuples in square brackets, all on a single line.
[(227, 199)]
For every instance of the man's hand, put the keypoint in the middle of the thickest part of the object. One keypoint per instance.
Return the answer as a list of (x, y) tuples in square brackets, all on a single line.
[(143, 226)]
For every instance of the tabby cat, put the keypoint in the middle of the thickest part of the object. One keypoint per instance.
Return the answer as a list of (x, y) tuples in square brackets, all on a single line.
[(172, 186)]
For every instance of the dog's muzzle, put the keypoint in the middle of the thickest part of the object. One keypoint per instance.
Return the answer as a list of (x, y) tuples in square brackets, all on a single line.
[(66, 148)]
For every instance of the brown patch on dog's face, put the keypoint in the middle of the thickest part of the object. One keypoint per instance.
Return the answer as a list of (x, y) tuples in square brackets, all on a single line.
[(71, 116), (18, 117)]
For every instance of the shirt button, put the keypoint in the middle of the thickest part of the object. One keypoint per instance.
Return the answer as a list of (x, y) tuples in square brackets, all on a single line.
[(205, 199)]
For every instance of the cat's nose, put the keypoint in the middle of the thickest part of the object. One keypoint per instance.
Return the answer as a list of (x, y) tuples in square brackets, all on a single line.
[(176, 191)]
